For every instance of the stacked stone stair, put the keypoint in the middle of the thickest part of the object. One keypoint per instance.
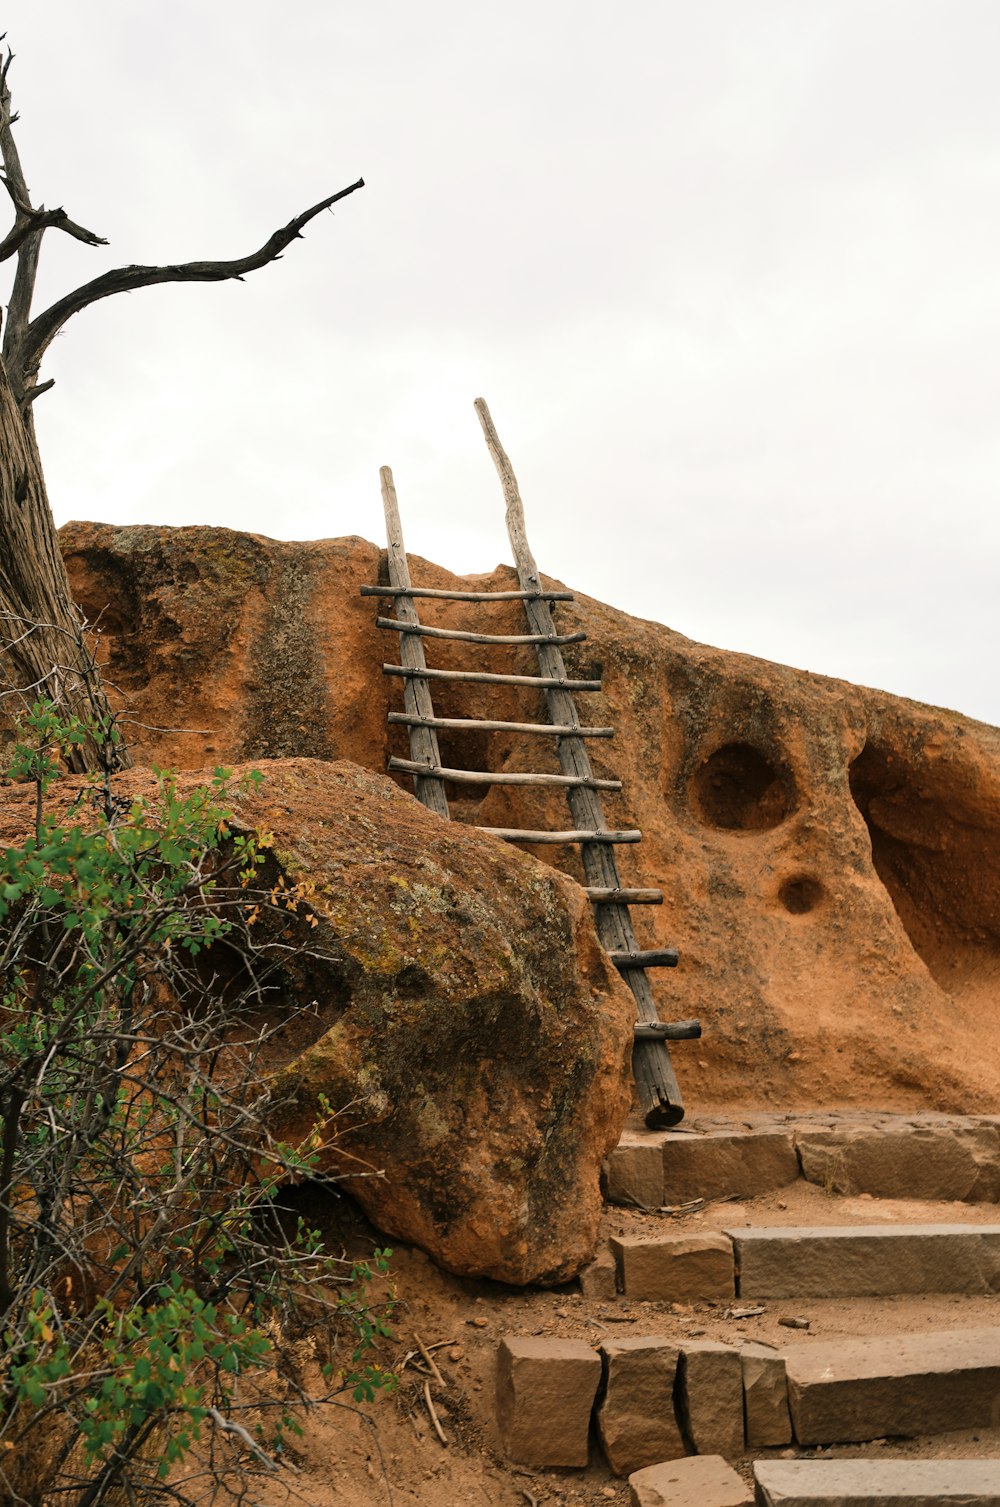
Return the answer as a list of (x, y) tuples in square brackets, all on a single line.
[(919, 1156), (671, 1410)]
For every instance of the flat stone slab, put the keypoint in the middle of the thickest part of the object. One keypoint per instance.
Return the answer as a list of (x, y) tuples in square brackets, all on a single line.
[(847, 1391), (887, 1483), (919, 1156), (724, 1163), (855, 1261), (916, 1156), (675, 1268), (673, 1167), (700, 1481), (545, 1392)]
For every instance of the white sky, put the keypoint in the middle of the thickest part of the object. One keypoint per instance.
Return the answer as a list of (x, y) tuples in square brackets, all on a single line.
[(727, 273)]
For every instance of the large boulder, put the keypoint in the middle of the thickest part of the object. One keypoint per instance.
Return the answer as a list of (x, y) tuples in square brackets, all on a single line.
[(830, 855), (467, 1026), (473, 1025)]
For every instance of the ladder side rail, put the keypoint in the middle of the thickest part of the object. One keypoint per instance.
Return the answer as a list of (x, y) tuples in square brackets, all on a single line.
[(429, 789), (659, 1090)]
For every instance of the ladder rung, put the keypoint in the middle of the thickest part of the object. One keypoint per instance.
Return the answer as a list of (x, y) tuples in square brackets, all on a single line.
[(514, 834), (485, 677), (479, 638), (674, 1030), (624, 897), (467, 596), (461, 724), (511, 777), (653, 957)]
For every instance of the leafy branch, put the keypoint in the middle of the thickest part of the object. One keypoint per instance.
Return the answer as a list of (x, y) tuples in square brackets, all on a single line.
[(147, 1270)]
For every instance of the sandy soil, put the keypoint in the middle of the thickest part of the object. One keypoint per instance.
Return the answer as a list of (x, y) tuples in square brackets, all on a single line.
[(388, 1453)]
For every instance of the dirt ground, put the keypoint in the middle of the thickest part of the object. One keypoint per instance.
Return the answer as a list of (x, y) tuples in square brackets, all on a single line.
[(388, 1453)]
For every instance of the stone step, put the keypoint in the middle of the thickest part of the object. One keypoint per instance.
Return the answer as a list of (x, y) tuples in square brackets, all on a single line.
[(880, 1483), (845, 1261), (653, 1168), (821, 1261), (699, 1481), (664, 1397), (849, 1391), (918, 1156)]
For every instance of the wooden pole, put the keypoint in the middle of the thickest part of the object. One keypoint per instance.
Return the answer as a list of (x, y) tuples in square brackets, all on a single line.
[(464, 636), (504, 777), (486, 677), (460, 596), (428, 788), (483, 725), (659, 1091)]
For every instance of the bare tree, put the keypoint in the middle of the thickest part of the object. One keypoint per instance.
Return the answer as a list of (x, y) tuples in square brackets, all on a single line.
[(43, 648)]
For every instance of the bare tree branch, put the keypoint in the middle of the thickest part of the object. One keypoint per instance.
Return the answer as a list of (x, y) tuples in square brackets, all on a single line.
[(39, 219), (19, 307), (34, 588), (36, 391), (24, 237), (42, 330)]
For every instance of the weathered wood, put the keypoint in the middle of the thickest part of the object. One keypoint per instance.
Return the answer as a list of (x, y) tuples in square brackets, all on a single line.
[(646, 957), (655, 1078), (429, 789), (674, 1030), (45, 652), (464, 596), (484, 677), (36, 337), (543, 729), (462, 637), (515, 834), (623, 897), (506, 777)]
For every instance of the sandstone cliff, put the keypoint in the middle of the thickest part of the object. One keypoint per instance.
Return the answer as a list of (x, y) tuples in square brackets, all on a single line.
[(830, 855)]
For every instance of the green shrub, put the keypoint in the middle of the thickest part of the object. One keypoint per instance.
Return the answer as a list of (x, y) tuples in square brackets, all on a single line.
[(149, 1283)]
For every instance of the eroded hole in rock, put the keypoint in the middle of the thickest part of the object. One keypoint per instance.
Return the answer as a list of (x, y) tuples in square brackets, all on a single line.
[(274, 985), (801, 893), (738, 788), (935, 839), (282, 994)]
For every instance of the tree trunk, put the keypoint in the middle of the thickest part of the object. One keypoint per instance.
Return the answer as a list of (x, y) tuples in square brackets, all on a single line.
[(45, 652)]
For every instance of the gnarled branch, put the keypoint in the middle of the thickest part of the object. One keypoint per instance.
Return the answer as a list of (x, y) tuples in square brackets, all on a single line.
[(40, 219), (42, 330)]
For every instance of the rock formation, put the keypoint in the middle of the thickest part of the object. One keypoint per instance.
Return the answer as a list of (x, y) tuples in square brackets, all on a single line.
[(830, 855), (466, 1025)]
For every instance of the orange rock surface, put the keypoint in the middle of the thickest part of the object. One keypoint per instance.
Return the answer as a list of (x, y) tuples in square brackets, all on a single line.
[(452, 1003), (829, 855)]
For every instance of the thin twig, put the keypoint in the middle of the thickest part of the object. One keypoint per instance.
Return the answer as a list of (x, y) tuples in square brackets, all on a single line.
[(433, 1415), (428, 1357), (229, 1426)]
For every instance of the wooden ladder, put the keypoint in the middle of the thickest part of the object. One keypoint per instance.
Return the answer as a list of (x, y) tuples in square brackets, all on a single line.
[(659, 1092)]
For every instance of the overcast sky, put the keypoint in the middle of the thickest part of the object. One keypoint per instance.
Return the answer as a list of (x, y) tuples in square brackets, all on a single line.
[(727, 273)]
